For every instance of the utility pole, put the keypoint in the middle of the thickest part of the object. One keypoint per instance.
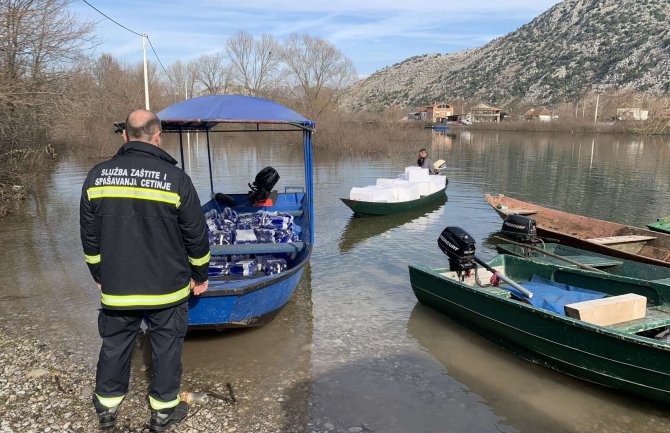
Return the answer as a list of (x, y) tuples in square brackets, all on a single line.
[(595, 115), (146, 74)]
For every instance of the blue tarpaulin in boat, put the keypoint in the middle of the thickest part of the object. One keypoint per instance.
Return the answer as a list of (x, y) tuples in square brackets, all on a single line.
[(207, 111), (553, 296)]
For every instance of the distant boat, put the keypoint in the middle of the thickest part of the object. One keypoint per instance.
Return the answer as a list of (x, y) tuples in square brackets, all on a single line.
[(661, 225), (612, 239), (437, 127)]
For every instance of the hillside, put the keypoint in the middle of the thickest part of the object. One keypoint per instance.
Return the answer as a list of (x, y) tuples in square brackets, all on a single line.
[(557, 57)]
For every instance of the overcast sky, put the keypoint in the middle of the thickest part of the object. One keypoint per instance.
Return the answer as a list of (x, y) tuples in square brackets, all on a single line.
[(372, 33)]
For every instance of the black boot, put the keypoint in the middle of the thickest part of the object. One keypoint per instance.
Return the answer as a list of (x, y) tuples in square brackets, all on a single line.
[(162, 419), (106, 415)]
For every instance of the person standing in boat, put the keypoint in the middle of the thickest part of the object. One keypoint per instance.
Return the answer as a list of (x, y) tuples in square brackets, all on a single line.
[(146, 246), (425, 161)]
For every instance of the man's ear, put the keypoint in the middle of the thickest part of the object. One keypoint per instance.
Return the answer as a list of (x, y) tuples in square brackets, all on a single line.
[(125, 136)]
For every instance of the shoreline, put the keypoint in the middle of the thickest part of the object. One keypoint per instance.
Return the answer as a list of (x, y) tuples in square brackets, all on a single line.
[(46, 389)]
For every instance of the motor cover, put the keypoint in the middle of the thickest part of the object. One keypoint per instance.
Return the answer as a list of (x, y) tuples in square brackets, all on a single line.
[(265, 180), (520, 228), (459, 247)]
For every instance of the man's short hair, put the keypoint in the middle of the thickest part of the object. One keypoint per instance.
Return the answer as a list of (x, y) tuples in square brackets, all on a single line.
[(423, 150), (149, 127)]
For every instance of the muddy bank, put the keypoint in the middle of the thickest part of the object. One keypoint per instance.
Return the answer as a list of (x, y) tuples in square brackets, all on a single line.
[(47, 389)]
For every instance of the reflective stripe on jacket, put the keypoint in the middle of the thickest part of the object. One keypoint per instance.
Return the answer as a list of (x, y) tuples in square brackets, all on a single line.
[(142, 229)]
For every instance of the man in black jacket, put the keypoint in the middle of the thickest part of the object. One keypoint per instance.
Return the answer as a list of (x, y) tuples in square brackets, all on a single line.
[(146, 245)]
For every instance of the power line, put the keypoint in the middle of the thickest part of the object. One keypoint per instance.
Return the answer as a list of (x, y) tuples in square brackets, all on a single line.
[(159, 61), (111, 19), (134, 32)]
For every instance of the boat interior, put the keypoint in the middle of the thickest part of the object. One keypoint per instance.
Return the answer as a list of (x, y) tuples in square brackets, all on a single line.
[(292, 202), (655, 319)]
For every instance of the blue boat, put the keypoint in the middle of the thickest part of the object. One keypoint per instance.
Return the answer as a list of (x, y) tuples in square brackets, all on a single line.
[(234, 301)]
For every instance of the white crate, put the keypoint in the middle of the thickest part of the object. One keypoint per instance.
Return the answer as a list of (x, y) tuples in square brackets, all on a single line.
[(416, 173), (372, 193), (437, 183), (407, 192)]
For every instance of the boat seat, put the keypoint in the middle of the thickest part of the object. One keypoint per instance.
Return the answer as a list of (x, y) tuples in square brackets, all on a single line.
[(656, 317), (517, 211), (279, 248), (593, 261), (615, 240)]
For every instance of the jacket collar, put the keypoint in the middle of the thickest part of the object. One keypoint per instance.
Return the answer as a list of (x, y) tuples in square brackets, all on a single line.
[(146, 149)]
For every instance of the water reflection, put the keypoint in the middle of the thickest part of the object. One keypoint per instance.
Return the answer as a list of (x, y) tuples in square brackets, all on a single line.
[(358, 229), (530, 397)]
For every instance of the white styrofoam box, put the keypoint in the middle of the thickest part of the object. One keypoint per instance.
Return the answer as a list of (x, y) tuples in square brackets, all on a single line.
[(407, 192), (382, 182), (416, 173), (402, 176), (436, 183), (424, 187), (361, 193), (372, 193)]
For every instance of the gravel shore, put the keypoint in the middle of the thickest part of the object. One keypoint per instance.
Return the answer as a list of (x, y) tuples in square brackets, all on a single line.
[(45, 389)]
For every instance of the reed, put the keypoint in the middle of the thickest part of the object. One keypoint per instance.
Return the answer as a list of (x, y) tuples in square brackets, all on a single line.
[(367, 134)]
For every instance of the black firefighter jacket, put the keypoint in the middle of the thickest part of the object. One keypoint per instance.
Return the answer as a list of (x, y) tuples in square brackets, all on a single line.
[(142, 229)]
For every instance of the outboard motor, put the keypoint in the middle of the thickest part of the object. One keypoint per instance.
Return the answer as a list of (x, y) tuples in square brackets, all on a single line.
[(520, 228), (459, 247), (265, 180)]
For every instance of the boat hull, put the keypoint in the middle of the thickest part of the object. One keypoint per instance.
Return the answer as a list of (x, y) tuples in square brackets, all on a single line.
[(376, 208), (630, 363), (253, 304), (579, 231)]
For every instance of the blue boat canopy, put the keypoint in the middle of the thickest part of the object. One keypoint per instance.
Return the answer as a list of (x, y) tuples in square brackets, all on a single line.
[(205, 112)]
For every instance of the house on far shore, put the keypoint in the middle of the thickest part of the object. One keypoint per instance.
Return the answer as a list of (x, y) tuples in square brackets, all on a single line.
[(631, 114), (484, 113), (542, 114), (436, 113)]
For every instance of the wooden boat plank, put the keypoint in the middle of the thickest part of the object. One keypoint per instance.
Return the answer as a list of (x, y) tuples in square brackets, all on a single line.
[(518, 211), (612, 240), (656, 317)]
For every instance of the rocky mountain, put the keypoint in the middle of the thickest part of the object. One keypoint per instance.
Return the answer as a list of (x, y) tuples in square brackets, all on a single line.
[(568, 50)]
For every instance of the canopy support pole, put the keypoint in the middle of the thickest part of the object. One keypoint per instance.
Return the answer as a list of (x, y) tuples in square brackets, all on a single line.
[(307, 144), (209, 161), (181, 150)]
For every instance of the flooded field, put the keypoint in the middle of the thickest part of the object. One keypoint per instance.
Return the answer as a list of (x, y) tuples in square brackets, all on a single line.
[(353, 351)]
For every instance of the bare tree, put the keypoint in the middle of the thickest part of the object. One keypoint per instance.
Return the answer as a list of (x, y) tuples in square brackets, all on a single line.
[(39, 43), (181, 81), (254, 62), (212, 74), (319, 70)]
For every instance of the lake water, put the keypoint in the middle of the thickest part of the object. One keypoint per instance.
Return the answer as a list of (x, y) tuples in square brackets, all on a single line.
[(353, 348)]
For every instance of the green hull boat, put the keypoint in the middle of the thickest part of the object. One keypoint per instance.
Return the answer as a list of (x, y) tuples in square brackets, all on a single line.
[(622, 355), (611, 265), (384, 208), (661, 225)]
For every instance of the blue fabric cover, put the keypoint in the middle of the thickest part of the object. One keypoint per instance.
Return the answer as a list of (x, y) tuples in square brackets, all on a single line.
[(553, 296), (230, 108)]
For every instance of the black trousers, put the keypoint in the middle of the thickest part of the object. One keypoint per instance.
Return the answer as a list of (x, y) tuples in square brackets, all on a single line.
[(118, 329)]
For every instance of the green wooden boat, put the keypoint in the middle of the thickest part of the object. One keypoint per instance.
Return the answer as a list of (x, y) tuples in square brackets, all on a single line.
[(365, 208), (622, 356), (661, 225), (612, 265)]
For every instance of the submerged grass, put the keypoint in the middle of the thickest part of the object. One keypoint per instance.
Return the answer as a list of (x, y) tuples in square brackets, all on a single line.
[(19, 167)]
